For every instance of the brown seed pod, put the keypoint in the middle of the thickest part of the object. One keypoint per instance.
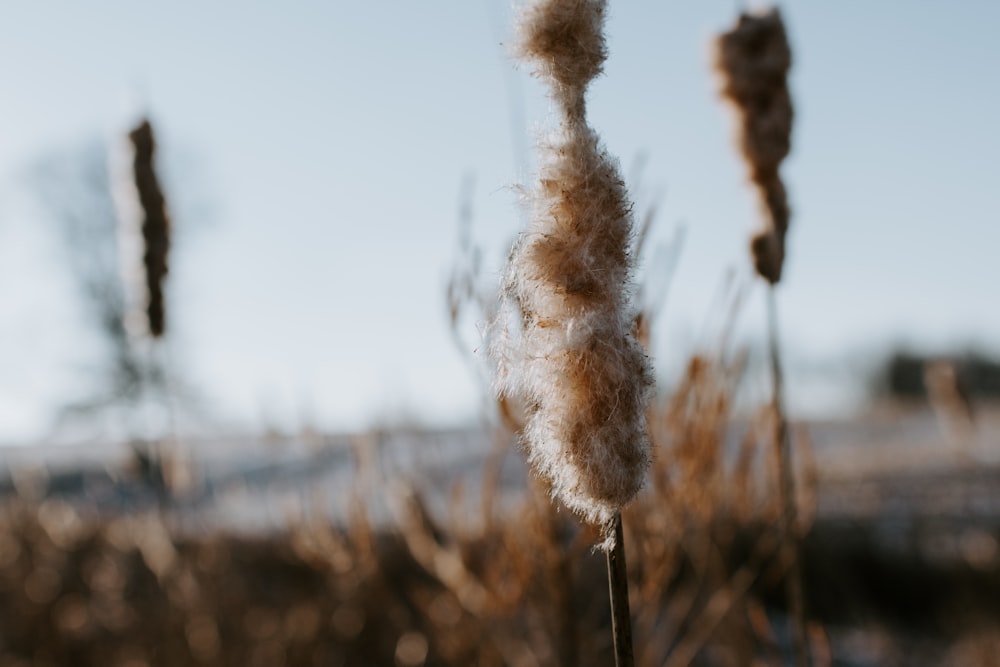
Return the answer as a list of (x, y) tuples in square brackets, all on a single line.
[(753, 59), (155, 224)]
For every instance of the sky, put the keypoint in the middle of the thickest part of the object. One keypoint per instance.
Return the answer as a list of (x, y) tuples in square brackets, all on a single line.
[(314, 155)]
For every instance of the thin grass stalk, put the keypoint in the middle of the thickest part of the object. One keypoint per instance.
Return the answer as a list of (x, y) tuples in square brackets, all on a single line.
[(621, 621), (786, 492), (722, 601), (559, 571)]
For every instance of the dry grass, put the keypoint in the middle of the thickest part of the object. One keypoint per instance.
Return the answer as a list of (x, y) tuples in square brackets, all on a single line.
[(511, 586), (507, 585)]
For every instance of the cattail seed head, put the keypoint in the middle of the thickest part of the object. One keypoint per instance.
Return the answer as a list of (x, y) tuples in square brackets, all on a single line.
[(155, 224), (576, 361), (753, 59), (565, 42)]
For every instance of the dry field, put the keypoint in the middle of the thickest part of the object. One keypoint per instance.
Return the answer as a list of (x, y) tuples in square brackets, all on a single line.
[(900, 561)]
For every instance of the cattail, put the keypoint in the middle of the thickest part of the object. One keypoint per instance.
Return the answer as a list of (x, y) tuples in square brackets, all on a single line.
[(577, 363), (155, 224), (754, 59)]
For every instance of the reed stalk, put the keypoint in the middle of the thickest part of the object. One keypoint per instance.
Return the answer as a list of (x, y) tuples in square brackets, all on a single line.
[(621, 621), (791, 551)]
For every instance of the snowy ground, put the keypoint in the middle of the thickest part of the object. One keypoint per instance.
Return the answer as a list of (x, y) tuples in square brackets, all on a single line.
[(877, 465)]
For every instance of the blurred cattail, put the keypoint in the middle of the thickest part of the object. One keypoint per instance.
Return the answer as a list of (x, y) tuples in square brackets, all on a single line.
[(155, 224), (753, 59), (577, 362)]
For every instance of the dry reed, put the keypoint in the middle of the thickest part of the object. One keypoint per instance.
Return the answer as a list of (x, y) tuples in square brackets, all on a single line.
[(155, 225), (577, 362), (753, 59)]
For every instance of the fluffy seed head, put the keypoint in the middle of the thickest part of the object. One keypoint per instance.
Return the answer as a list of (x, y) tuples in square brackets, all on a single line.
[(753, 59), (576, 361), (564, 40)]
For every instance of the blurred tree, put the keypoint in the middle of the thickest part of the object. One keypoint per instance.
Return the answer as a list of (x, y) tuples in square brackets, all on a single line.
[(902, 374), (75, 190)]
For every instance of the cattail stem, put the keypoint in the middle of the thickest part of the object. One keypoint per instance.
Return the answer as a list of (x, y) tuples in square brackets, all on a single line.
[(794, 588), (621, 621)]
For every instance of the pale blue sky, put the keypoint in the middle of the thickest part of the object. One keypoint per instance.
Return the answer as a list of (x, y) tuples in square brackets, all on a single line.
[(330, 138)]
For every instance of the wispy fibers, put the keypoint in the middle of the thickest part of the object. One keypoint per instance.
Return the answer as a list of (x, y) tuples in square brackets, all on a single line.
[(155, 225), (577, 362), (753, 59)]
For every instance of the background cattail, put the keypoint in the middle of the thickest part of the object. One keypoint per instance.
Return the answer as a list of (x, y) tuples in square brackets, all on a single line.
[(754, 59), (577, 362), (155, 224)]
